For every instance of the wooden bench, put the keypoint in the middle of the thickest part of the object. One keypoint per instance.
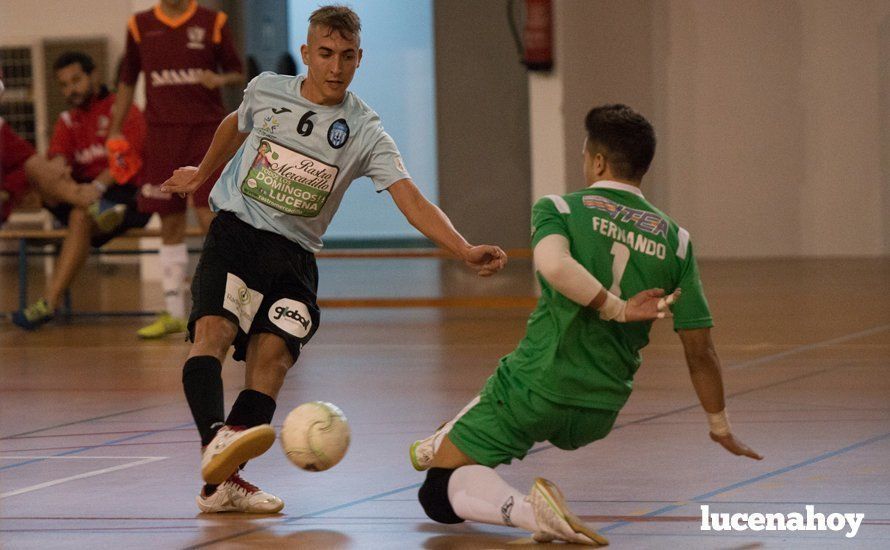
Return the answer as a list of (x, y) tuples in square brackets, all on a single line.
[(30, 238)]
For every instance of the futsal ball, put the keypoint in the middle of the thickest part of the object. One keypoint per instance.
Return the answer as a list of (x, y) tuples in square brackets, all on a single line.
[(315, 436)]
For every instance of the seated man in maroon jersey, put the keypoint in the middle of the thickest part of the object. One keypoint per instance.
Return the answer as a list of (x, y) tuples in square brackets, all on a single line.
[(79, 140)]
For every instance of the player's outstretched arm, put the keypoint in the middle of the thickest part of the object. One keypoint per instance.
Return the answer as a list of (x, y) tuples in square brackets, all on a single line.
[(704, 370), (429, 219), (226, 141), (554, 261)]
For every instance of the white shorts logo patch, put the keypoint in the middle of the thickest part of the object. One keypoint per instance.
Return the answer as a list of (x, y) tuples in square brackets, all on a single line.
[(241, 300), (291, 316)]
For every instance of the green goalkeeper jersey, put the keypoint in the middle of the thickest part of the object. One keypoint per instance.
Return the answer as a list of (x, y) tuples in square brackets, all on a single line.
[(569, 354)]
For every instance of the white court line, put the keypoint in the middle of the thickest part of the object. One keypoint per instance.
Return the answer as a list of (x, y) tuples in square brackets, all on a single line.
[(13, 457), (808, 347), (80, 476)]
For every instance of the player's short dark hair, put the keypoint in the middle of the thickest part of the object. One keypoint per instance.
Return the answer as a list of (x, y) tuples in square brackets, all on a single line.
[(338, 18), (70, 58), (624, 137)]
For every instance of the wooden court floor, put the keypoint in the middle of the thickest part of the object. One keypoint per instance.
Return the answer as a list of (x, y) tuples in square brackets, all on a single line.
[(97, 448)]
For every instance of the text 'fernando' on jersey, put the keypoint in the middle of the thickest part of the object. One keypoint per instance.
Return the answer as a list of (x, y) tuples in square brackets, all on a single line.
[(569, 354)]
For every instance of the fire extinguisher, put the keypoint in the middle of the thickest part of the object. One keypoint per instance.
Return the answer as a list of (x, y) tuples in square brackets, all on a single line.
[(537, 36)]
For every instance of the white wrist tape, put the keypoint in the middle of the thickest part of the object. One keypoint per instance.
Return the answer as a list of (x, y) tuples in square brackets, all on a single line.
[(613, 308), (719, 423), (554, 261)]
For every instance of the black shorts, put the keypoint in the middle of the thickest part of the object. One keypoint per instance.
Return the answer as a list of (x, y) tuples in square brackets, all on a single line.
[(118, 194), (259, 280)]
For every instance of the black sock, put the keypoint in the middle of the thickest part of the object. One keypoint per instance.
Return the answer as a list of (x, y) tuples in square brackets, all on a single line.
[(202, 382), (252, 408), (209, 489)]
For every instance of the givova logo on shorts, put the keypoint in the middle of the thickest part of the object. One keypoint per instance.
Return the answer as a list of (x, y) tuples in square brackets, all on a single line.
[(291, 316), (241, 300)]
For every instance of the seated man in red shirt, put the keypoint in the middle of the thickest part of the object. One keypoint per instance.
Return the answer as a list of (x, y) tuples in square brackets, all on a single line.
[(79, 139), (20, 166)]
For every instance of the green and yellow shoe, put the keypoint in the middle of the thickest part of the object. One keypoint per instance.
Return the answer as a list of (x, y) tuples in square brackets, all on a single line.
[(33, 316), (165, 324), (107, 215)]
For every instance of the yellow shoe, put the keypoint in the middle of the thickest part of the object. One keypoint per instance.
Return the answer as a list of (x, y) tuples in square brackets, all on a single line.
[(107, 215), (556, 521), (165, 324)]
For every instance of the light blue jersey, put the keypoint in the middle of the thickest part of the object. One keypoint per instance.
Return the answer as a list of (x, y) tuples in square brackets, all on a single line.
[(292, 171)]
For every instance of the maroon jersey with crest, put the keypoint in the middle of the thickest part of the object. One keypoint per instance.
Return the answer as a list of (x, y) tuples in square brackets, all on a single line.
[(173, 53), (80, 135)]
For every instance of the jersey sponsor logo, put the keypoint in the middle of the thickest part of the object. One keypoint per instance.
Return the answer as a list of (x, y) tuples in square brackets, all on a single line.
[(636, 241), (88, 155), (176, 77), (291, 316), (288, 180), (642, 219), (241, 300), (338, 133), (196, 37), (270, 124)]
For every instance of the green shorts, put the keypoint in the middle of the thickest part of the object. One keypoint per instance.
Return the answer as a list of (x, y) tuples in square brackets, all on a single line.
[(510, 418)]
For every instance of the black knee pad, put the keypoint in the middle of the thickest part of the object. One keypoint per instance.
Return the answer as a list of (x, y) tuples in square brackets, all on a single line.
[(433, 496)]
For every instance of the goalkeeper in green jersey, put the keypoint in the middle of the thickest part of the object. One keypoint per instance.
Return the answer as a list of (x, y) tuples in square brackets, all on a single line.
[(568, 378)]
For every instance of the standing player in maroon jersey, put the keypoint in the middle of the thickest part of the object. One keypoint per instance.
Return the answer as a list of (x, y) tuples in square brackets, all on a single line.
[(186, 53), (79, 139)]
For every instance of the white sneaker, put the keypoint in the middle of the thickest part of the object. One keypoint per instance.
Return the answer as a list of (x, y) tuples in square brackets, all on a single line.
[(422, 452), (555, 520), (232, 447), (237, 495)]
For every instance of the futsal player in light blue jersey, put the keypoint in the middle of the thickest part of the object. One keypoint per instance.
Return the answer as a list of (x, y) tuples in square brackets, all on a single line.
[(293, 148)]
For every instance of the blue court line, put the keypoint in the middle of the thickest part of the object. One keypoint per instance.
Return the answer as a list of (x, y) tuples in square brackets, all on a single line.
[(808, 347), (90, 447), (751, 362), (85, 420), (698, 406), (755, 479)]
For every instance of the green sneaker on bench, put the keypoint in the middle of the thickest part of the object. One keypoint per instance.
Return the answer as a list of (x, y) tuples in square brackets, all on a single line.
[(165, 324), (107, 215), (33, 316)]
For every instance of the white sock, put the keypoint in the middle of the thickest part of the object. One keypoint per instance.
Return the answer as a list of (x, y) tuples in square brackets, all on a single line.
[(478, 493), (174, 259)]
